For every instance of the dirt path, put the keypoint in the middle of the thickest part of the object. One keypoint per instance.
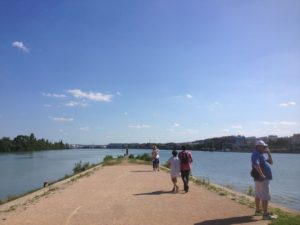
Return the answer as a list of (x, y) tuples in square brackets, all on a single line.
[(129, 194)]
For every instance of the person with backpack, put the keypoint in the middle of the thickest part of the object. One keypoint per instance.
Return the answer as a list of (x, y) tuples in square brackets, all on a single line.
[(186, 160)]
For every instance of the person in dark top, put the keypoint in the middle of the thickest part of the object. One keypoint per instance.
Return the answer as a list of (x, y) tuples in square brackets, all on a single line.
[(186, 160)]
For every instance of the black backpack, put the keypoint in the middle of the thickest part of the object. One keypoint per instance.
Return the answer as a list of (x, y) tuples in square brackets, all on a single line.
[(185, 158)]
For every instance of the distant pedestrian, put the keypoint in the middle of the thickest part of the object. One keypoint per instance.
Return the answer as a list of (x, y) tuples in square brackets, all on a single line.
[(186, 160), (174, 165), (155, 158), (262, 178)]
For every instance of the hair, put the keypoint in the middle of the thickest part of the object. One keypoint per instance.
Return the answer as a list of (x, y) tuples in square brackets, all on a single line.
[(183, 147), (174, 153)]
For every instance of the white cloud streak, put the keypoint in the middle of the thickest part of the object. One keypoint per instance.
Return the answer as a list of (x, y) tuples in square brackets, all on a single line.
[(61, 119), (93, 96), (283, 123), (53, 95), (287, 104), (74, 104), (236, 127), (84, 129), (20, 45), (139, 126)]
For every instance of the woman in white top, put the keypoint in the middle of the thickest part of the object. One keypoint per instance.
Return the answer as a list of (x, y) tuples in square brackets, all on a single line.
[(174, 165), (155, 158)]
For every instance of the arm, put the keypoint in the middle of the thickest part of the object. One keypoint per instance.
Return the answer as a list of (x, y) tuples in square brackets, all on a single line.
[(269, 160), (257, 167)]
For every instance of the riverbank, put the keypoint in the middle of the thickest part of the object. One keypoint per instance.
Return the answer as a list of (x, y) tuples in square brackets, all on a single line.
[(124, 194)]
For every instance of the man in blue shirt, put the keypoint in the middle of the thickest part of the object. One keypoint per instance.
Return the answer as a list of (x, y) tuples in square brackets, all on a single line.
[(262, 189)]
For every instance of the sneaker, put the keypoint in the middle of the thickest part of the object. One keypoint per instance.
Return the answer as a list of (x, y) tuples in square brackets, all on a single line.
[(258, 213), (268, 216)]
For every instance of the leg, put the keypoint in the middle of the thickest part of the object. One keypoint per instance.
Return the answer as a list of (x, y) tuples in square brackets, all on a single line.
[(265, 207), (258, 196), (184, 176), (174, 184), (257, 204)]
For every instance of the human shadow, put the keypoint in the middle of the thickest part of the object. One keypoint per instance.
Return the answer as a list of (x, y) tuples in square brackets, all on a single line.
[(154, 193), (141, 171), (228, 221)]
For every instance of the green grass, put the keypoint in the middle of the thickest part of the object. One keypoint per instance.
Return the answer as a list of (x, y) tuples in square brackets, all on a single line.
[(284, 218)]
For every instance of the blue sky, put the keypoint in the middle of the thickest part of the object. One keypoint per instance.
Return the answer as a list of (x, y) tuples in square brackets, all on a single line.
[(138, 71)]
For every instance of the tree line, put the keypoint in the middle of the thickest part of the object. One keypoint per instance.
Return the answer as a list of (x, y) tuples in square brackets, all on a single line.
[(29, 143)]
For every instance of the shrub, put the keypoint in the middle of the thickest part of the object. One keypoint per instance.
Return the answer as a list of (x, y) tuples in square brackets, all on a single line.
[(146, 157), (79, 167), (250, 191), (131, 156), (108, 158), (120, 157)]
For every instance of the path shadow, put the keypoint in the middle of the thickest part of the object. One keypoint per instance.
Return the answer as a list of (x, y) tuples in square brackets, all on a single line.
[(228, 221), (155, 193), (141, 171)]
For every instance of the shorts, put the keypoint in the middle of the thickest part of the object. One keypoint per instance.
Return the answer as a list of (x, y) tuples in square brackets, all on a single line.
[(155, 162), (262, 190)]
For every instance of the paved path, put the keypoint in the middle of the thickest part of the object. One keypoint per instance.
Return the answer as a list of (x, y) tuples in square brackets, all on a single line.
[(129, 194)]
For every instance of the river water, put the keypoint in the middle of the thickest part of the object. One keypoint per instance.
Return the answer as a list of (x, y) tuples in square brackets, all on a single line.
[(23, 172)]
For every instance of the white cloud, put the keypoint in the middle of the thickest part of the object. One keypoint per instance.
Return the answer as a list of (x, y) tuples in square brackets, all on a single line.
[(48, 105), (176, 125), (287, 104), (189, 96), (84, 128), (283, 123), (63, 132), (139, 126), (61, 119), (118, 93), (52, 95), (93, 96), (73, 104), (126, 113), (20, 45), (236, 127)]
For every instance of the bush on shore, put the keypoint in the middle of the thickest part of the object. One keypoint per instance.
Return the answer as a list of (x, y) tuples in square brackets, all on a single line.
[(80, 167), (145, 157)]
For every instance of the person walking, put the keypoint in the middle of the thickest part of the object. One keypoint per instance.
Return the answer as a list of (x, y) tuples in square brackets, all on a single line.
[(155, 158), (186, 160), (174, 165), (260, 167)]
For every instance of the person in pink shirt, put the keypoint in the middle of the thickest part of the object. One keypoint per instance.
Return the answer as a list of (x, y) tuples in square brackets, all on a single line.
[(186, 160)]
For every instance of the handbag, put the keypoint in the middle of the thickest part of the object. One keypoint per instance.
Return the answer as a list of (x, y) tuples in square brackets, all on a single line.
[(254, 173)]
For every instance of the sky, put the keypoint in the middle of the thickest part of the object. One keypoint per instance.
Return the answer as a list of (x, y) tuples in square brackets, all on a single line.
[(97, 72)]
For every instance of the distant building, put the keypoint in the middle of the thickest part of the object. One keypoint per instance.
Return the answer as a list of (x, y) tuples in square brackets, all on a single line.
[(272, 138), (295, 139), (250, 140), (239, 140)]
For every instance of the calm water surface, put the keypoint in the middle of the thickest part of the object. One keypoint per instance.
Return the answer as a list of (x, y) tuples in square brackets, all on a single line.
[(20, 173)]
